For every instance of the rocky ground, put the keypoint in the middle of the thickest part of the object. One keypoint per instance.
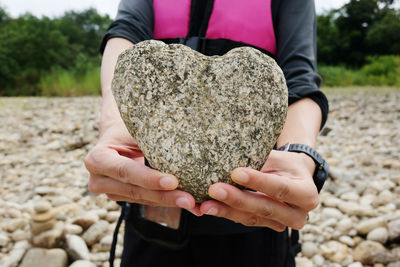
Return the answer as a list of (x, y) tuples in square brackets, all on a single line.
[(48, 217)]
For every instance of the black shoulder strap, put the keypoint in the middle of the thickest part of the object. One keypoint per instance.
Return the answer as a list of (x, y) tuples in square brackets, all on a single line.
[(200, 13)]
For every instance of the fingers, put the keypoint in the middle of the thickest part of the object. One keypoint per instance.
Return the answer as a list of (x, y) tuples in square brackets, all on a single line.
[(253, 208), (137, 194), (294, 190), (107, 162)]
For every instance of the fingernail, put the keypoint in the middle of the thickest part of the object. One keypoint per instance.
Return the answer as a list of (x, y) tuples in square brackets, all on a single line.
[(212, 211), (220, 194), (183, 203), (168, 182), (240, 177)]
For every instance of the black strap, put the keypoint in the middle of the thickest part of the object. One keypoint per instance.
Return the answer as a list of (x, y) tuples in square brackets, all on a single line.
[(200, 13), (116, 231), (295, 246)]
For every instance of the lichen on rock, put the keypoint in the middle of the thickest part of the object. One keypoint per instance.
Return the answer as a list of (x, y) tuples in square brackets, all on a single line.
[(199, 117)]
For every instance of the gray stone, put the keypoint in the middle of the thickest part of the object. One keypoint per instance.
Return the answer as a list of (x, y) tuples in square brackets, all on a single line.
[(42, 206), (51, 238), (76, 247), (16, 254), (394, 230), (379, 234), (3, 239), (45, 257), (83, 263), (334, 251), (95, 232), (366, 250), (309, 249), (86, 220), (200, 117), (367, 226)]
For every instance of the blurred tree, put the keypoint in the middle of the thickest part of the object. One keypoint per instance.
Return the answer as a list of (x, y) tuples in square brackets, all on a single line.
[(356, 30)]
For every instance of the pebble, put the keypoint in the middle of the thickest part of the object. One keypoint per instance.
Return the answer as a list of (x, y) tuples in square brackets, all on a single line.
[(95, 232), (76, 247), (379, 234), (3, 239), (365, 250), (368, 225), (347, 240), (45, 257), (73, 229), (86, 220), (303, 262), (16, 254), (42, 206), (334, 251), (83, 263), (318, 260), (394, 230), (309, 249)]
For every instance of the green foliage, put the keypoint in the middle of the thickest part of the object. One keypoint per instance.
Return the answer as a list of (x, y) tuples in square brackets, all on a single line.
[(379, 70), (31, 48), (62, 82), (361, 28)]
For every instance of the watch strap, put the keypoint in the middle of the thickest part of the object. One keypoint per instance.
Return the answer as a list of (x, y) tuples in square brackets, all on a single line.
[(321, 168)]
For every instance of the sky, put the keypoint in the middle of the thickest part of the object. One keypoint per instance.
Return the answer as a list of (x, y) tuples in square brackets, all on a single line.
[(54, 8)]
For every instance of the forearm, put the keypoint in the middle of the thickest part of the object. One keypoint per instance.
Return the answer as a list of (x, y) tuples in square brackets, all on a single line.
[(302, 125), (109, 110)]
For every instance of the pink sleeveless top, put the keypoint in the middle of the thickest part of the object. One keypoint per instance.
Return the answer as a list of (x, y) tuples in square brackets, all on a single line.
[(247, 21)]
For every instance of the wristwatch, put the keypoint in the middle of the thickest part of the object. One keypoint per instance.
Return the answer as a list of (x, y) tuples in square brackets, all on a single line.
[(321, 169)]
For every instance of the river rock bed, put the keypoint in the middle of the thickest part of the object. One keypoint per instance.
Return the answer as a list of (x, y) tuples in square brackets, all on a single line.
[(47, 214)]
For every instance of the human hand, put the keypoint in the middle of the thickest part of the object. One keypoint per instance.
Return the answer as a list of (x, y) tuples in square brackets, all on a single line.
[(284, 193), (116, 167)]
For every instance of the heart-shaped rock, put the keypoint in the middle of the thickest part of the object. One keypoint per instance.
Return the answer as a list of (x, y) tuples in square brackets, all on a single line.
[(200, 117)]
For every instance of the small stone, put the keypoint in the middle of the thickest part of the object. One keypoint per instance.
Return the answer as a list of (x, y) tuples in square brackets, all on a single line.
[(318, 260), (76, 247), (51, 238), (39, 227), (20, 235), (394, 264), (355, 264), (42, 206), (347, 240), (102, 213), (394, 230), (165, 94), (44, 190), (14, 224), (365, 250), (344, 225), (352, 208), (73, 229), (309, 249), (113, 216), (379, 234), (99, 256), (3, 239), (16, 254), (84, 263), (45, 257), (367, 226), (86, 220), (303, 262), (46, 216), (331, 213), (95, 232), (334, 251), (113, 206)]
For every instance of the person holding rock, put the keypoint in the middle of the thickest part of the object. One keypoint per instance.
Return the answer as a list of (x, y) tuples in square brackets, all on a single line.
[(237, 227)]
